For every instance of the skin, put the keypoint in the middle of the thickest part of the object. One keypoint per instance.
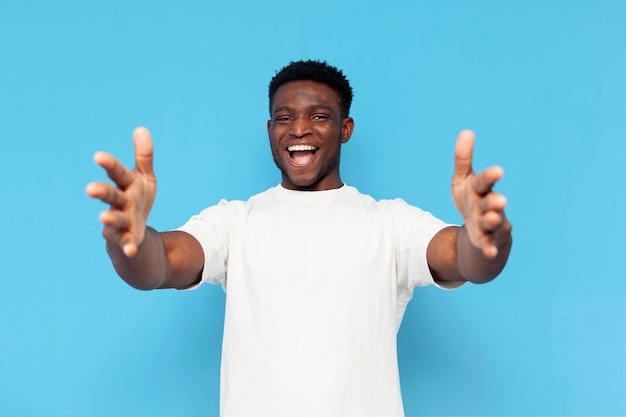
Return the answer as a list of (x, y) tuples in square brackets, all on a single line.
[(143, 257), (477, 251), (308, 113), (303, 112)]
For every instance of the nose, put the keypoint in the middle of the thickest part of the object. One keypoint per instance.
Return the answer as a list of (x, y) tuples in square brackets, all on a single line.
[(301, 127)]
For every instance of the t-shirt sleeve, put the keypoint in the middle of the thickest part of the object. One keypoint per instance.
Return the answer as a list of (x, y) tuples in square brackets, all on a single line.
[(414, 229), (211, 227)]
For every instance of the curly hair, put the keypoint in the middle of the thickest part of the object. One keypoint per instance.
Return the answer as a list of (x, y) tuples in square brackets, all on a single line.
[(318, 71)]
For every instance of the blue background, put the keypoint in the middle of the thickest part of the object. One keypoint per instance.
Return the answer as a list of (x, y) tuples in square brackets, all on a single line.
[(542, 85)]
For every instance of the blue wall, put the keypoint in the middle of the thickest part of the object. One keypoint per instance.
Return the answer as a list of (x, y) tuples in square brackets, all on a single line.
[(543, 86)]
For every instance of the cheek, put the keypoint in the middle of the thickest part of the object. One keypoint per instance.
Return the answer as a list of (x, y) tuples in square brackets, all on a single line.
[(274, 143), (272, 138), (275, 149)]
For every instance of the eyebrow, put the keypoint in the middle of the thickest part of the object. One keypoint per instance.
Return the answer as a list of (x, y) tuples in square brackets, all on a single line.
[(311, 107)]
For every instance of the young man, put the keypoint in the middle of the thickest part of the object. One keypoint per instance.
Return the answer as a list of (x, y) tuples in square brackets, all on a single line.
[(317, 275)]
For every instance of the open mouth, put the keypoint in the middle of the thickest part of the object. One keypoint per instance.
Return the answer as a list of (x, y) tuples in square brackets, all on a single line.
[(301, 154)]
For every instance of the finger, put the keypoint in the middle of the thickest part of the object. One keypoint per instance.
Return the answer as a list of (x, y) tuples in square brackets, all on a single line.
[(463, 155), (492, 201), (485, 242), (143, 150), (107, 194), (122, 239), (112, 235), (490, 241), (115, 219), (129, 244), (121, 175), (490, 250), (484, 182), (491, 221)]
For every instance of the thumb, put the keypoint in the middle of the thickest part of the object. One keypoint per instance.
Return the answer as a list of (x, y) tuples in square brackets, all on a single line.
[(463, 155), (143, 150)]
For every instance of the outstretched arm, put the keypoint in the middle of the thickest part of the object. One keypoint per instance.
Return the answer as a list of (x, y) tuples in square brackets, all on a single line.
[(143, 257), (478, 250)]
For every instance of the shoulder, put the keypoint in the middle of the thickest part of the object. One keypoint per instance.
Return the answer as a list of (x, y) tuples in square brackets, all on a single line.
[(242, 205), (395, 207), (351, 193), (404, 218), (225, 210)]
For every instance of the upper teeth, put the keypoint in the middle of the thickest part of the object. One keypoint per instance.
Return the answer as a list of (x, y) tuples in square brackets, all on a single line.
[(294, 148)]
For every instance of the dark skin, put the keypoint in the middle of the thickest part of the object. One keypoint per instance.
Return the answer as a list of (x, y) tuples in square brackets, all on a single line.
[(477, 251), (307, 115)]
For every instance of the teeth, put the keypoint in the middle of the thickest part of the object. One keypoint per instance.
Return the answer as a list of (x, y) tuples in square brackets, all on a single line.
[(295, 148)]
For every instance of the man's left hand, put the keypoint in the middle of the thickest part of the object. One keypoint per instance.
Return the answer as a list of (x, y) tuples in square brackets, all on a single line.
[(482, 209)]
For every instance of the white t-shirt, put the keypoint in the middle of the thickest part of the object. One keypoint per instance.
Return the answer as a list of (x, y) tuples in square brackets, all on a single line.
[(317, 284)]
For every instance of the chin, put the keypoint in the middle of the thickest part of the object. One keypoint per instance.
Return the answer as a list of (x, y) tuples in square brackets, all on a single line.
[(300, 184), (290, 180)]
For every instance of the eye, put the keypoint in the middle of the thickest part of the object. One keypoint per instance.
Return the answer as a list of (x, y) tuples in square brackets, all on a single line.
[(319, 117), (282, 119)]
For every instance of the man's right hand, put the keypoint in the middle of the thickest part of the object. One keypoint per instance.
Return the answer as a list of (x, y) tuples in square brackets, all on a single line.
[(131, 197)]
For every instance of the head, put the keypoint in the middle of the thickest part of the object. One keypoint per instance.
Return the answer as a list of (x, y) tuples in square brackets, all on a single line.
[(309, 121), (318, 71)]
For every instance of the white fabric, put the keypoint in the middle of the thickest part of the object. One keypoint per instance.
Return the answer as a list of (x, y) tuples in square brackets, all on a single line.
[(317, 284)]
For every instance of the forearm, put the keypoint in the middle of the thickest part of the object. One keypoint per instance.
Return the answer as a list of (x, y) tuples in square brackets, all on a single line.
[(473, 265), (148, 269)]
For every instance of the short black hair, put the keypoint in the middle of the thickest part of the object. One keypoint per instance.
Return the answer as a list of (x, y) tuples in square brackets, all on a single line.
[(318, 71)]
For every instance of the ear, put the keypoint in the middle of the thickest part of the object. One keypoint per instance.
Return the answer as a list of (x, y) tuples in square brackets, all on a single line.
[(347, 127), (269, 126)]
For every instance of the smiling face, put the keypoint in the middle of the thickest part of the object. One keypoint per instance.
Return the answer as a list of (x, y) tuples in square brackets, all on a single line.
[(306, 132)]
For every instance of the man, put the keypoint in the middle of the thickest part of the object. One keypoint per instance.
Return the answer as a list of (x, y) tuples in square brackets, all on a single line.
[(317, 275)]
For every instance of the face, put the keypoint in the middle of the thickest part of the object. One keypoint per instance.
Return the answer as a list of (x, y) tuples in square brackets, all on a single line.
[(306, 132)]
